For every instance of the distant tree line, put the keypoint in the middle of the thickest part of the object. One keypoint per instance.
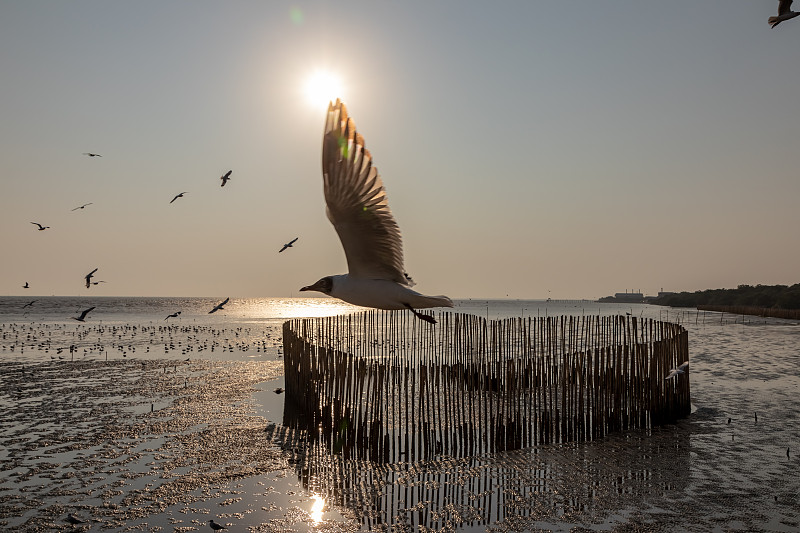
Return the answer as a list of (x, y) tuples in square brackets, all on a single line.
[(762, 296)]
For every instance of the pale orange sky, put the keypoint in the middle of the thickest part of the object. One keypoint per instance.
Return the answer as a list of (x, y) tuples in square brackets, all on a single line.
[(529, 149)]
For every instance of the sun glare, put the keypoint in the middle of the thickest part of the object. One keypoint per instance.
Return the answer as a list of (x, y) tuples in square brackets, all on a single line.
[(322, 87), (317, 508)]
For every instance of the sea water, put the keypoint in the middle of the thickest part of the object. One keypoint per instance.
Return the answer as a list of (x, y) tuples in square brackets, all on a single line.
[(732, 465)]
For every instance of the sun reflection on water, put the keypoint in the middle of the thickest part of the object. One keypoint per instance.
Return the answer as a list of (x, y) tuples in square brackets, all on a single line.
[(285, 308), (316, 509)]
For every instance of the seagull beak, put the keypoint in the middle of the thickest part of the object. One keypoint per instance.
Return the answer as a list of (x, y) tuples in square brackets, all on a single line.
[(323, 285)]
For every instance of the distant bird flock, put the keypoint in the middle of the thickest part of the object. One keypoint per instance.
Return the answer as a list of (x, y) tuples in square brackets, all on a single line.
[(359, 211), (88, 281)]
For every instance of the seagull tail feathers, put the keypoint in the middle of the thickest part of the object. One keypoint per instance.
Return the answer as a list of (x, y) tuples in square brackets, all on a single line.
[(433, 301), (774, 21)]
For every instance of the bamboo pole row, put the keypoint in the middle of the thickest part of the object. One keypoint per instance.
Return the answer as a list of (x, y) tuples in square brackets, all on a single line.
[(387, 387)]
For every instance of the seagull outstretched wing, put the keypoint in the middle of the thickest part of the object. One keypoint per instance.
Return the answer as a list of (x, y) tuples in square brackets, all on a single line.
[(356, 202), (219, 307)]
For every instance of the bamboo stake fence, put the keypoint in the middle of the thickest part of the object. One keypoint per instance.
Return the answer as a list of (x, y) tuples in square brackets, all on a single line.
[(384, 386)]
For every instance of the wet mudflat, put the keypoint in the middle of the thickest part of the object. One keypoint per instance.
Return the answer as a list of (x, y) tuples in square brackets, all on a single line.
[(139, 444)]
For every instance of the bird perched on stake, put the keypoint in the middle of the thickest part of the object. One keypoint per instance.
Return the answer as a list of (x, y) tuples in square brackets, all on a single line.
[(359, 211), (225, 177), (288, 244), (784, 13), (675, 371), (219, 307)]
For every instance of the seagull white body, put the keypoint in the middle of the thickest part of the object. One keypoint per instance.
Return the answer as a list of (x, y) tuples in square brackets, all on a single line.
[(359, 211), (675, 371), (784, 13), (381, 294)]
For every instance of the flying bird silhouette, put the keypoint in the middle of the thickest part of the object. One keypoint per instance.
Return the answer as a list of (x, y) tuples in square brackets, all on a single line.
[(784, 13), (90, 154), (219, 307), (675, 371), (29, 303), (288, 244), (359, 211), (173, 315), (179, 196), (82, 318), (41, 228), (81, 206), (88, 278), (26, 286), (225, 177)]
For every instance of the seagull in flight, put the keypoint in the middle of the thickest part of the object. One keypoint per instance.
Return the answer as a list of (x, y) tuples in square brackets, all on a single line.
[(359, 211), (219, 307), (90, 154), (81, 206), (29, 303), (88, 278), (225, 177), (26, 286), (173, 315), (679, 370), (82, 318), (179, 196), (784, 13), (288, 244), (41, 228)]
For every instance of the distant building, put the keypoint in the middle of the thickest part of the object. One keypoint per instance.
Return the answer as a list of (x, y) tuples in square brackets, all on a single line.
[(624, 297), (633, 297)]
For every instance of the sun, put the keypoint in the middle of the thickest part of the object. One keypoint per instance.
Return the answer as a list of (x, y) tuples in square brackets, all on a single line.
[(322, 87)]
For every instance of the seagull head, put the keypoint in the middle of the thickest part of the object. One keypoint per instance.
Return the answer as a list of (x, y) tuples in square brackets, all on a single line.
[(324, 285)]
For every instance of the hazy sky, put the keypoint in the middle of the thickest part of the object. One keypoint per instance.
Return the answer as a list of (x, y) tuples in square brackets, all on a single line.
[(532, 149)]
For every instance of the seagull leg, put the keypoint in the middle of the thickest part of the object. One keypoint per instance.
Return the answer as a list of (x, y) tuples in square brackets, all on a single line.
[(421, 316)]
